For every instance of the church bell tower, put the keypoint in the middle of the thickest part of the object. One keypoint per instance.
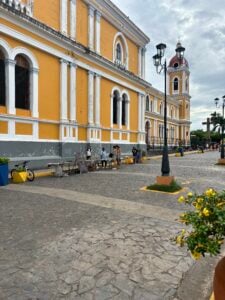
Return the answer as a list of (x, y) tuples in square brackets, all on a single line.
[(178, 87)]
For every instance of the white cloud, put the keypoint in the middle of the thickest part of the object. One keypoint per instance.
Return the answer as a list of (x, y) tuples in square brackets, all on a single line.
[(201, 28)]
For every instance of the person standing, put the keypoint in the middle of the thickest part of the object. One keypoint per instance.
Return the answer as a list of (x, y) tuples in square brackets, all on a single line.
[(134, 152), (88, 153), (103, 156)]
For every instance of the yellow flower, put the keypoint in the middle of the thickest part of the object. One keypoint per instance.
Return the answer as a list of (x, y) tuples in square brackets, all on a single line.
[(190, 194), (220, 204), (196, 255), (198, 206), (199, 200), (180, 240), (206, 212), (183, 231), (181, 199), (210, 192)]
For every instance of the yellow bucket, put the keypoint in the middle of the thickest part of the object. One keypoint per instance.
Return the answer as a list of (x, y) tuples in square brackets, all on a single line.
[(19, 177)]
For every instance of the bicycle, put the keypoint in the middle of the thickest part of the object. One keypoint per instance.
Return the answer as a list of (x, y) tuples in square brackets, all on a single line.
[(22, 167)]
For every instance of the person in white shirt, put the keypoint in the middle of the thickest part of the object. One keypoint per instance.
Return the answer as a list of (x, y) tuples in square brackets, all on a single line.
[(103, 156)]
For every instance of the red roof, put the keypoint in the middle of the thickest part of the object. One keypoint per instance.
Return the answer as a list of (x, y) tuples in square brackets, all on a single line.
[(179, 61)]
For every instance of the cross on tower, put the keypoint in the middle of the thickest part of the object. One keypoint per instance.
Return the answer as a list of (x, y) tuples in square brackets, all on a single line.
[(207, 123)]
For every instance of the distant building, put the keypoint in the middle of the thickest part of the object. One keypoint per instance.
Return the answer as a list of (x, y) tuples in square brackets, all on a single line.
[(72, 74)]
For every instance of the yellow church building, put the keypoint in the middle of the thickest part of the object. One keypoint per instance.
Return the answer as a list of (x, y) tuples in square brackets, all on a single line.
[(72, 75)]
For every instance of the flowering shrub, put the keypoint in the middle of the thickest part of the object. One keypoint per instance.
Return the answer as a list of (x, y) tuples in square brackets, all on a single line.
[(207, 220)]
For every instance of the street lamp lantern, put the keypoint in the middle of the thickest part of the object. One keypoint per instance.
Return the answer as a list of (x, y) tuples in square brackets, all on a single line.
[(216, 101), (156, 60), (161, 49)]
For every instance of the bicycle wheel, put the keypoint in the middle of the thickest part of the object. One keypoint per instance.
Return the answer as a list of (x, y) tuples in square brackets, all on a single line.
[(12, 172), (30, 175)]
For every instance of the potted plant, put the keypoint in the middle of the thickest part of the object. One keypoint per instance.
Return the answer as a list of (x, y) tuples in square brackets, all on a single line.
[(207, 231), (4, 171)]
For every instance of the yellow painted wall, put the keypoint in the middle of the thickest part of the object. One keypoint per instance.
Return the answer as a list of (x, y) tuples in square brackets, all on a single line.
[(3, 109), (124, 136), (48, 131), (106, 89), (105, 135), (108, 33), (48, 12), (116, 135), (23, 129), (82, 96), (82, 134), (23, 112), (82, 23), (133, 57), (133, 110), (3, 127), (133, 137)]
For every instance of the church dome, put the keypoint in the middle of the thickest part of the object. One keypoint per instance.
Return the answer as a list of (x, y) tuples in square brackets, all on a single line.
[(176, 62)]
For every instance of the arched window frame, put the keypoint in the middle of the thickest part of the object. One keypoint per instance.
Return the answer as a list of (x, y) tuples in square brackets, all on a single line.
[(6, 50), (33, 77), (160, 108), (125, 109), (172, 112), (151, 106), (176, 85), (120, 38), (2, 79)]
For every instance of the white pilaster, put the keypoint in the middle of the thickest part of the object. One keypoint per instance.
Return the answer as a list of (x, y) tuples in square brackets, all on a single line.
[(128, 114), (91, 27), (140, 62), (73, 19), (183, 82), (143, 113), (35, 130), (34, 92), (98, 32), (63, 90), (73, 101), (119, 103), (63, 16), (10, 86), (111, 113), (139, 112), (90, 97), (143, 64), (97, 99)]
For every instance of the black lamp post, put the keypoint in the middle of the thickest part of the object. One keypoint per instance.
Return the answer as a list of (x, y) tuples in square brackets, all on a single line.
[(222, 127), (157, 59)]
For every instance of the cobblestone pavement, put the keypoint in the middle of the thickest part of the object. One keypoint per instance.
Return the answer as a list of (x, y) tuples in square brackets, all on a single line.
[(96, 235)]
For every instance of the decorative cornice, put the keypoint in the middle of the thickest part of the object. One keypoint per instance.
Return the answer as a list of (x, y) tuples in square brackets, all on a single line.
[(116, 17)]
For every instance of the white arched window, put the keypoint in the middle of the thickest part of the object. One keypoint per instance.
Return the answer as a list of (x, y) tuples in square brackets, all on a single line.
[(116, 98), (161, 108), (120, 50)]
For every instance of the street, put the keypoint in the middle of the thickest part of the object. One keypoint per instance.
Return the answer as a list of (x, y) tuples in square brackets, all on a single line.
[(98, 236)]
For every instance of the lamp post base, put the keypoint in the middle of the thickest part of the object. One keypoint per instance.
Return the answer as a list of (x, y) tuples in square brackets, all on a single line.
[(221, 161), (164, 180)]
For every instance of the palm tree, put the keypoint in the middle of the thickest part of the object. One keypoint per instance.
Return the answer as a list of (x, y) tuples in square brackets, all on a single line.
[(218, 122)]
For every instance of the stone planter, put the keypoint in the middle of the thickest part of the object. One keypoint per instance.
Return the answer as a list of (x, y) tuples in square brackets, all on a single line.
[(4, 171), (219, 280)]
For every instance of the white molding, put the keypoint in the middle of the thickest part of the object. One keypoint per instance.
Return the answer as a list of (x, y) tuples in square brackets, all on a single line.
[(73, 19), (63, 16)]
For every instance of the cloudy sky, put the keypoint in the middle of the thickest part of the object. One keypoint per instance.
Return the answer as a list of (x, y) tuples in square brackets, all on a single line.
[(200, 25)]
